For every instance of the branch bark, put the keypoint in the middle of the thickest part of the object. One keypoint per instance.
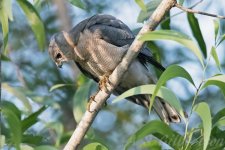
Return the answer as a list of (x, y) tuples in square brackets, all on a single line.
[(116, 75)]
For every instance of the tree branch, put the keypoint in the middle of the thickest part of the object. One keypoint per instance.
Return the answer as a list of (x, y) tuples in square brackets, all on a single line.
[(198, 12), (116, 75)]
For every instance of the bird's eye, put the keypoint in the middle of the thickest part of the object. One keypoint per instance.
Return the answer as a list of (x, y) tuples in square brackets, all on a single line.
[(58, 56)]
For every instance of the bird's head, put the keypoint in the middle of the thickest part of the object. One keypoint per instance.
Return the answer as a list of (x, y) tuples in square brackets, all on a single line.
[(60, 50)]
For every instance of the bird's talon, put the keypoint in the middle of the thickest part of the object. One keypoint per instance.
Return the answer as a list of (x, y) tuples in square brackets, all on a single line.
[(92, 99), (102, 83)]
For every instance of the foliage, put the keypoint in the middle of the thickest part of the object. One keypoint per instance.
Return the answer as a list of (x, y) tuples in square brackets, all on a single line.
[(38, 101)]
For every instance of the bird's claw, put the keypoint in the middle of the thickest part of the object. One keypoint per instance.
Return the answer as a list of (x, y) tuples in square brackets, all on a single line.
[(103, 83), (92, 99)]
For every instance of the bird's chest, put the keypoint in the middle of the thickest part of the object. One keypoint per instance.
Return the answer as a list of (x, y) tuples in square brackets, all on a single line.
[(97, 56)]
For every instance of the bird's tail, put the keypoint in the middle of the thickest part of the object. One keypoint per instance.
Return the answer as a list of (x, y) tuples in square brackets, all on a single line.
[(166, 112)]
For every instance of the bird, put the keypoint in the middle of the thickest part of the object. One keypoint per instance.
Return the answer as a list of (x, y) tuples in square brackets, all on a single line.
[(97, 45)]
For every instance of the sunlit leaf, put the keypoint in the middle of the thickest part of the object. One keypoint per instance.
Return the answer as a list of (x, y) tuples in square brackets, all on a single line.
[(58, 86), (32, 119), (151, 145), (6, 14), (163, 93), (77, 3), (2, 141), (202, 109), (215, 57), (220, 122), (25, 147), (216, 28), (45, 147), (218, 80), (95, 146), (157, 128), (174, 36), (141, 4), (14, 126), (171, 72), (34, 21), (151, 6), (196, 31), (17, 94)]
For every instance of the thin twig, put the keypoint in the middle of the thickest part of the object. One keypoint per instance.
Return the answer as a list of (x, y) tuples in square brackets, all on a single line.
[(198, 12), (116, 75)]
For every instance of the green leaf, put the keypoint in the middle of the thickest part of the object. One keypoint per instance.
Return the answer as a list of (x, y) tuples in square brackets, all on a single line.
[(196, 31), (5, 58), (215, 57), (58, 86), (45, 147), (6, 14), (221, 39), (141, 4), (202, 109), (95, 146), (174, 36), (14, 126), (11, 107), (32, 139), (157, 128), (218, 80), (32, 119), (80, 98), (18, 94), (58, 128), (171, 72), (151, 6), (163, 93), (77, 3), (218, 115), (165, 24), (151, 145), (220, 122), (216, 27), (34, 21), (2, 141)]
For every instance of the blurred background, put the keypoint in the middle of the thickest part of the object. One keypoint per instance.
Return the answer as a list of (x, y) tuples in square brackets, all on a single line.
[(30, 80)]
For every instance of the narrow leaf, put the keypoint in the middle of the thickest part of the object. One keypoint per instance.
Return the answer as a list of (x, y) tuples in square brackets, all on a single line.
[(215, 57), (174, 36), (216, 28), (151, 6), (221, 39), (202, 109), (54, 87), (141, 4), (157, 128), (163, 93), (18, 94), (151, 145), (12, 107), (14, 126), (32, 119), (77, 3), (34, 21), (165, 24), (218, 80), (218, 115), (196, 31), (171, 72), (5, 58)]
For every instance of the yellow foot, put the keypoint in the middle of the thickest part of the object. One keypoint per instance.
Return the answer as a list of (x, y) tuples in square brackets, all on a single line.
[(92, 99), (102, 83)]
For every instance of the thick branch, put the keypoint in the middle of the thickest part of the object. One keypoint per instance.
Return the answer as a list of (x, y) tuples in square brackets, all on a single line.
[(116, 75), (198, 12)]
